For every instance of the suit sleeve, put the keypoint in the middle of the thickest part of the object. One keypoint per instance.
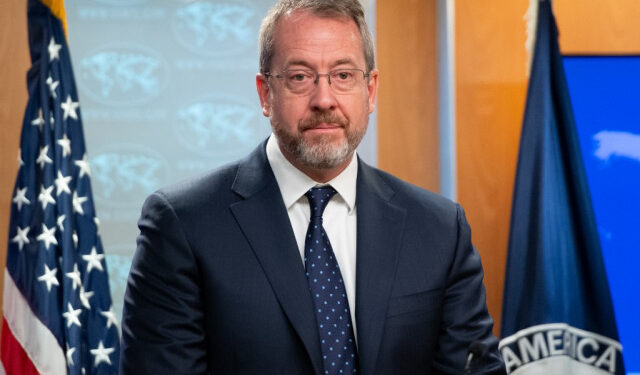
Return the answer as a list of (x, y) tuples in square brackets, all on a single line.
[(466, 320), (162, 323)]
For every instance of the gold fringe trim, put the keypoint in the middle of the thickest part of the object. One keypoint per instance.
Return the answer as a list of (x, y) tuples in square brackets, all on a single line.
[(57, 8), (531, 17)]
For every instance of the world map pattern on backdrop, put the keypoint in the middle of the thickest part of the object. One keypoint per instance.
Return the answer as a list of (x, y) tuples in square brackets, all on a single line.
[(168, 92)]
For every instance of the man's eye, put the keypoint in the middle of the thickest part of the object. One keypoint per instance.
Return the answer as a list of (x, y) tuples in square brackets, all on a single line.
[(344, 75), (299, 77)]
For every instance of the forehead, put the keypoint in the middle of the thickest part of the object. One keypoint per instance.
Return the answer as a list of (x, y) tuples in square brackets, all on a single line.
[(316, 40)]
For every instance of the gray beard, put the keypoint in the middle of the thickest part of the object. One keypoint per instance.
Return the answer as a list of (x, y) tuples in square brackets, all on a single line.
[(321, 154)]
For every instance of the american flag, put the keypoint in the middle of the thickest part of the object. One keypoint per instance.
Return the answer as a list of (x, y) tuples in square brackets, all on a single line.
[(58, 315)]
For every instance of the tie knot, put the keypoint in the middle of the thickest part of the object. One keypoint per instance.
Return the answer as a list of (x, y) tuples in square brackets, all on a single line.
[(319, 198)]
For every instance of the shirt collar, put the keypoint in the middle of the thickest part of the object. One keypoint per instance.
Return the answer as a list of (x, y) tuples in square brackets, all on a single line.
[(294, 184)]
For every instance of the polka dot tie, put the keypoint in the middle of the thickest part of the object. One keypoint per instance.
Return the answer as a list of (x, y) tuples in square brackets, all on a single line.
[(328, 291)]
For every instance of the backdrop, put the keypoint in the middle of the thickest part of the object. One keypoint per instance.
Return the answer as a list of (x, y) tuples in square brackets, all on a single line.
[(167, 91)]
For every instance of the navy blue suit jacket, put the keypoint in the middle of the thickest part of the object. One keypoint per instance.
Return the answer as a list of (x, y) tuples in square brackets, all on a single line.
[(217, 284)]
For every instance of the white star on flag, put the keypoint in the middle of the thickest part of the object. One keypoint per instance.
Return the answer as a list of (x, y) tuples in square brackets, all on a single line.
[(84, 298), (45, 196), (111, 317), (20, 162), (21, 237), (62, 183), (21, 198), (39, 121), (75, 277), (72, 316), (43, 158), (69, 107), (60, 222), (48, 236), (77, 203), (54, 50), (93, 260), (49, 277), (74, 236), (65, 143), (70, 352), (84, 166), (52, 86), (101, 354)]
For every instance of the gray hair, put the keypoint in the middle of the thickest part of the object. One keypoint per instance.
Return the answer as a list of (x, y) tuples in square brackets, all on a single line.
[(324, 8)]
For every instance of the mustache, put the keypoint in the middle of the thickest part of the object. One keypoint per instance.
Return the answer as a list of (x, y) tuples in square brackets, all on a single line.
[(320, 118)]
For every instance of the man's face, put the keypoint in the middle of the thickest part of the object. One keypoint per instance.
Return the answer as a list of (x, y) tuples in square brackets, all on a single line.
[(320, 129)]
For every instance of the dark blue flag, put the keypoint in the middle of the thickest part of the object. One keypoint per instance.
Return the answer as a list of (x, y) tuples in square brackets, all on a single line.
[(557, 315), (58, 315)]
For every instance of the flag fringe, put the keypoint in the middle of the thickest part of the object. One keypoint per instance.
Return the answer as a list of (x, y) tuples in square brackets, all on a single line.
[(57, 9), (531, 17)]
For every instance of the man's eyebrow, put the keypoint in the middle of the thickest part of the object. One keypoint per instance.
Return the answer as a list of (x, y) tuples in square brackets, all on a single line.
[(345, 61), (297, 62)]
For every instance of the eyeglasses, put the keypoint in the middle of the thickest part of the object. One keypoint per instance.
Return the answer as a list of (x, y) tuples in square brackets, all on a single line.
[(303, 81)]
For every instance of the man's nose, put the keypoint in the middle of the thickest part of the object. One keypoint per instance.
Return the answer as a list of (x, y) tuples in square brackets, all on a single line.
[(322, 97)]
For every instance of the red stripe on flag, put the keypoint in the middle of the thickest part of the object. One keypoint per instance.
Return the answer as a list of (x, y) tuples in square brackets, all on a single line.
[(14, 358)]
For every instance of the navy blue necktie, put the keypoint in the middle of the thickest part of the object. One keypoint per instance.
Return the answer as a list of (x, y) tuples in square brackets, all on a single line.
[(328, 291)]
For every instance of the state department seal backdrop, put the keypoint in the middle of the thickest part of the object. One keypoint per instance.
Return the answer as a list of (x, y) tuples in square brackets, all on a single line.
[(167, 91)]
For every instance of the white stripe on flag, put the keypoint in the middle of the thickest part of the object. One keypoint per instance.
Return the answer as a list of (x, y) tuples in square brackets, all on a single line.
[(36, 339)]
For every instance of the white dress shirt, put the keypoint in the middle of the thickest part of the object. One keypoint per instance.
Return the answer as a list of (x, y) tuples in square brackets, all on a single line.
[(339, 217)]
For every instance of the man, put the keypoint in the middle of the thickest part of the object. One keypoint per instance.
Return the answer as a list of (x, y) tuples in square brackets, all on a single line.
[(301, 259)]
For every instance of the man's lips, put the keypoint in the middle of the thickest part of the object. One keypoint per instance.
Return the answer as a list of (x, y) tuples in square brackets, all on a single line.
[(324, 122), (324, 126)]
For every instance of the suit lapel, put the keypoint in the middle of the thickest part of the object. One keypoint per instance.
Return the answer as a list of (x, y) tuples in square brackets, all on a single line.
[(380, 227), (264, 221)]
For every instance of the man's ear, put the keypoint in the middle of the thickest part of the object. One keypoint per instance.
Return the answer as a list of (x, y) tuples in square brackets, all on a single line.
[(262, 85), (372, 87)]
